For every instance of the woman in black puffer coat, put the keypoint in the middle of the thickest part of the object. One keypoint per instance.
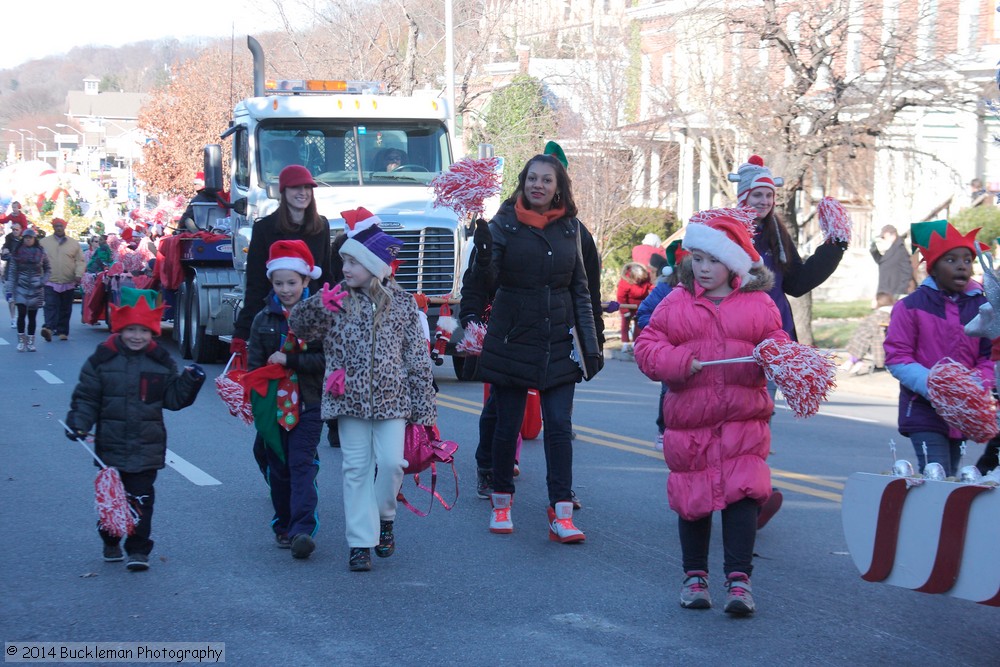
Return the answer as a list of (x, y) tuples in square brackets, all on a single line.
[(530, 255)]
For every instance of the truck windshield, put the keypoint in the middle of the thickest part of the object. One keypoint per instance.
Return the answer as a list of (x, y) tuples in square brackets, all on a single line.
[(345, 153)]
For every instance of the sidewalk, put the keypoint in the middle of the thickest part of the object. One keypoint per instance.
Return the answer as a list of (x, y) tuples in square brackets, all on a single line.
[(878, 384)]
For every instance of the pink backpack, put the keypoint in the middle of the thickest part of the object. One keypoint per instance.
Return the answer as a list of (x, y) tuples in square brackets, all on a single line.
[(423, 449)]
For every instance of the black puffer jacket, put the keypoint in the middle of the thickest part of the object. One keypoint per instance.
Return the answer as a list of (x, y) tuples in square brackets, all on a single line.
[(265, 233), (541, 291), (124, 393), (266, 335)]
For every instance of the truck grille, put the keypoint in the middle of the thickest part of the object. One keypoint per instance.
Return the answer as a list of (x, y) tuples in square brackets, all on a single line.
[(428, 260)]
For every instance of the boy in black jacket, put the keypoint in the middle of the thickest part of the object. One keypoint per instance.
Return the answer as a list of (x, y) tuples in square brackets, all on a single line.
[(290, 460), (124, 387)]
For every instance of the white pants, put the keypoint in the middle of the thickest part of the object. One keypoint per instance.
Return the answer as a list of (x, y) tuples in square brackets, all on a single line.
[(367, 499)]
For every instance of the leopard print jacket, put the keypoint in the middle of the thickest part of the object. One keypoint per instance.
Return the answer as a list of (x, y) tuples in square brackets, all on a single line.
[(387, 372)]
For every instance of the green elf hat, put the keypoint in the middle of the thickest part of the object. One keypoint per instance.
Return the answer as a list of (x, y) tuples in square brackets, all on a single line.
[(920, 232), (556, 151), (675, 253), (137, 307)]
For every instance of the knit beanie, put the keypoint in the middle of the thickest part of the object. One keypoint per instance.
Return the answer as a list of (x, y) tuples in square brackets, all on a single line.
[(293, 255), (751, 175), (725, 233), (137, 307), (367, 243)]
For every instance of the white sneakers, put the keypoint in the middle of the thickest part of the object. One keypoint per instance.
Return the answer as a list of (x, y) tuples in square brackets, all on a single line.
[(561, 528), (500, 521)]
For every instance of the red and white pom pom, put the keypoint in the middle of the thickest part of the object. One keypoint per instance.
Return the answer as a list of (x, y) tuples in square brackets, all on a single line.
[(472, 342), (233, 394), (467, 184), (962, 401), (115, 515), (744, 214), (834, 221), (804, 374)]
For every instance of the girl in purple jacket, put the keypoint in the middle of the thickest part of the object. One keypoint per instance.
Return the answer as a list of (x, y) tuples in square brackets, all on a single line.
[(927, 326), (717, 435)]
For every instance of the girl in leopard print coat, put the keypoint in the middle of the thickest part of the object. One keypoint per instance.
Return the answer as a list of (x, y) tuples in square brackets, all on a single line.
[(378, 378)]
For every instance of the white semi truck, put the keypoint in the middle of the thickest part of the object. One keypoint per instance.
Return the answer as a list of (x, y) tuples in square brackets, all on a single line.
[(345, 133)]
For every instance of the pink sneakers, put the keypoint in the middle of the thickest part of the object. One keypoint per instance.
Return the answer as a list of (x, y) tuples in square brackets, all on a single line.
[(561, 528), (500, 521)]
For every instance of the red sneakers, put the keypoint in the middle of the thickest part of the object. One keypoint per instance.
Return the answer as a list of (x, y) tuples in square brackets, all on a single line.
[(561, 528), (500, 521)]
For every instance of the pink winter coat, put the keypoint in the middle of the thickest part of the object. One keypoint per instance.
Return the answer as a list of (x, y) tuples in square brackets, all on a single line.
[(717, 438)]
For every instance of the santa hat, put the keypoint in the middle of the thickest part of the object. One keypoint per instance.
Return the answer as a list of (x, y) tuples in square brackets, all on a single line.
[(293, 255), (137, 307), (367, 243), (751, 175), (952, 239), (725, 233), (199, 179)]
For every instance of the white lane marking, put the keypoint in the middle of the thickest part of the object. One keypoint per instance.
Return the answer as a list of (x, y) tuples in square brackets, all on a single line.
[(49, 377), (193, 473), (3, 341), (863, 420)]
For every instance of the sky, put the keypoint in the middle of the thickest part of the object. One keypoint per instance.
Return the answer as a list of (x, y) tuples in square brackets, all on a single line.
[(39, 28)]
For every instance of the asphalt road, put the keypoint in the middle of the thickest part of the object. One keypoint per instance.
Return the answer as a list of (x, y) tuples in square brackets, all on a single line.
[(453, 594)]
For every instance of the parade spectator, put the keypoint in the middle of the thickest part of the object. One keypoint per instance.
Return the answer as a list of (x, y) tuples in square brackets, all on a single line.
[(378, 378), (291, 439), (651, 245), (927, 326), (717, 418), (28, 270), (10, 242), (296, 218), (792, 276), (123, 389), (15, 215), (633, 286), (541, 330), (66, 260), (979, 195), (895, 273)]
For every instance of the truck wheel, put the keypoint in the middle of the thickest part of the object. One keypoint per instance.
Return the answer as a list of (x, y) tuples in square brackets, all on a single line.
[(182, 319), (204, 348)]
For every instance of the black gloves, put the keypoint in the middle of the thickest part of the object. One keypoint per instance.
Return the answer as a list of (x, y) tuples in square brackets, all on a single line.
[(75, 434), (483, 240), (593, 363), (195, 371)]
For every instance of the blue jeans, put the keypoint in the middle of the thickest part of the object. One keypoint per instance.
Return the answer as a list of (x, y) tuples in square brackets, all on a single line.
[(940, 449), (293, 481), (557, 409)]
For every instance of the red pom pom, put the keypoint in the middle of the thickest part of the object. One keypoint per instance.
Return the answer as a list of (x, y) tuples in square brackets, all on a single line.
[(466, 185), (957, 395), (757, 160), (804, 375)]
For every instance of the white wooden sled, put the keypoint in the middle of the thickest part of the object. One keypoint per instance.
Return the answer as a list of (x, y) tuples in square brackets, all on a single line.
[(938, 537)]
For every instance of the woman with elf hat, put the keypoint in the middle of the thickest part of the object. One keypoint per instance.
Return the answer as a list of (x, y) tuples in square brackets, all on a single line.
[(792, 276), (541, 332), (717, 417), (378, 378), (925, 327)]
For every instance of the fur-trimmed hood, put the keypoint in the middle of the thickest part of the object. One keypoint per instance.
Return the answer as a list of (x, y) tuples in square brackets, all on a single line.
[(763, 278)]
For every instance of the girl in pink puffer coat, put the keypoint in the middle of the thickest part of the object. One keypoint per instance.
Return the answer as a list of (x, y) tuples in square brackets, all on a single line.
[(717, 437)]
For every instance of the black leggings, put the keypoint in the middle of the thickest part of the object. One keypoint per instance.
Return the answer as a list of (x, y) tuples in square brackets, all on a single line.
[(739, 532), (31, 313)]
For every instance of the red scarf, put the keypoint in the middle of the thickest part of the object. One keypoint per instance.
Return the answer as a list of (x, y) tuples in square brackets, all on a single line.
[(537, 220)]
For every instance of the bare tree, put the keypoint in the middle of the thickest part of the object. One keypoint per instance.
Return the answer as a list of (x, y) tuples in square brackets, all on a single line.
[(815, 87)]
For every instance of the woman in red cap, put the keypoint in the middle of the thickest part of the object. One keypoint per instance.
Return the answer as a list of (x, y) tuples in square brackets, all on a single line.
[(296, 218)]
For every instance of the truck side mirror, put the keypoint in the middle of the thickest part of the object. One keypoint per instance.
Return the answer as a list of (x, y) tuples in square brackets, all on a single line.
[(273, 192), (240, 206)]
